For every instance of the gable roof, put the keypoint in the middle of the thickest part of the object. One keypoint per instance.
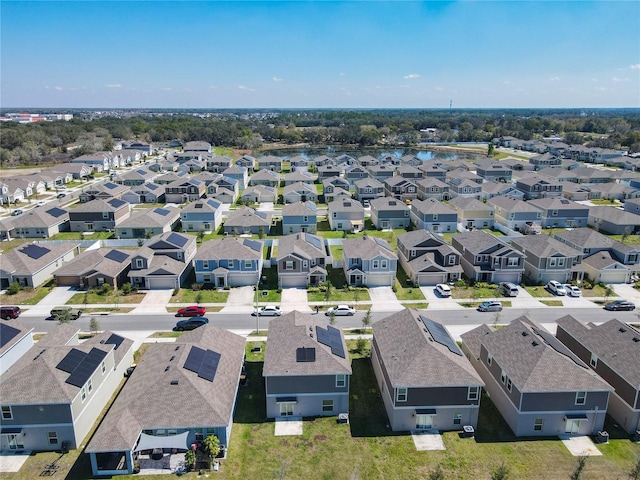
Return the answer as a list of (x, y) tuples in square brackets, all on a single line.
[(108, 261), (543, 246), (302, 244), (420, 239), (295, 330), (246, 216), (151, 217), (230, 247), (366, 247), (33, 257), (480, 242), (299, 208), (13, 336)]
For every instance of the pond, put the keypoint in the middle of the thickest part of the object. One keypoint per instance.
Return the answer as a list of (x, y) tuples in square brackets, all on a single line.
[(334, 151)]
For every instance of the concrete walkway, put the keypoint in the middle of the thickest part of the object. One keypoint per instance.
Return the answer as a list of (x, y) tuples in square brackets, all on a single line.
[(294, 299), (57, 296), (240, 300), (154, 301), (626, 292), (383, 299)]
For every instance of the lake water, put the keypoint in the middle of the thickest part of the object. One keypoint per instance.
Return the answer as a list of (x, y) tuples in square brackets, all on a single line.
[(312, 152)]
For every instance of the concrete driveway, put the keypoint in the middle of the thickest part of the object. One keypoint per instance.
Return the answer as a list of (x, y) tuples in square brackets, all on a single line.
[(294, 299), (154, 301), (240, 300), (57, 296), (627, 292), (436, 302), (383, 299)]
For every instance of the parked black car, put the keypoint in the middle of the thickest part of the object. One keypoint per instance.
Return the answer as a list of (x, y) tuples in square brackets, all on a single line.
[(191, 323), (620, 305)]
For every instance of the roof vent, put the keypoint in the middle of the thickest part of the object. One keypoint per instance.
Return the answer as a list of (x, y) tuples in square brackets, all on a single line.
[(622, 330), (172, 358), (174, 382), (177, 348), (524, 334), (534, 343), (636, 339), (167, 369)]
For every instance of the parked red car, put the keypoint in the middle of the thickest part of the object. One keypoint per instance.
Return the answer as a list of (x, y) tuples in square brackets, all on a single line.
[(191, 311)]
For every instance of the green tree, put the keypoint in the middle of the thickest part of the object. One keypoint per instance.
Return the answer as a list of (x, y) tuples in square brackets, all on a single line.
[(211, 448), (63, 317), (366, 320), (500, 473), (490, 149), (328, 291), (199, 298), (332, 317), (13, 288), (94, 325), (189, 459), (200, 236)]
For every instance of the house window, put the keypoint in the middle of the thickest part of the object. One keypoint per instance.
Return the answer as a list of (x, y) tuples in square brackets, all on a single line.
[(435, 217), (90, 226), (83, 394), (103, 367), (179, 255), (509, 384), (457, 418), (105, 215), (554, 213), (229, 263), (341, 380), (503, 376), (339, 226), (473, 393), (489, 359), (305, 219), (53, 438), (205, 264), (327, 405), (89, 385), (139, 263), (581, 398), (513, 261), (561, 262), (537, 424), (452, 260), (383, 264), (7, 414), (305, 264), (247, 264), (335, 214), (288, 265), (401, 395), (594, 360), (412, 253), (375, 264), (552, 262)]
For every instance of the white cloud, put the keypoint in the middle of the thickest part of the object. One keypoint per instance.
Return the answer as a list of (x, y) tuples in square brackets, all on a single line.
[(554, 79), (506, 82), (342, 74), (635, 67), (439, 89), (617, 79), (243, 87), (276, 79), (411, 76), (58, 88), (166, 89), (213, 87), (114, 85)]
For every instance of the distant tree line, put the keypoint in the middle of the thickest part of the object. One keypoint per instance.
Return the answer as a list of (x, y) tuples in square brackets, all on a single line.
[(37, 142)]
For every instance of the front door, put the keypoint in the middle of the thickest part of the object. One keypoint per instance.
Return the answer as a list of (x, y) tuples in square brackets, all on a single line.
[(15, 442), (572, 426), (286, 409), (424, 422), (221, 281)]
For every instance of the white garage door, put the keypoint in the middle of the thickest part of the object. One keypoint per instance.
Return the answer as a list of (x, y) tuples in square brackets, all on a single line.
[(432, 278), (165, 282), (297, 281), (614, 277)]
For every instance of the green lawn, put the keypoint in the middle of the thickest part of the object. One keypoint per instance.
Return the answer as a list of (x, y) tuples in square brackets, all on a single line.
[(552, 303), (404, 289), (82, 236), (539, 291), (336, 252), (481, 290), (28, 295), (187, 295), (89, 297)]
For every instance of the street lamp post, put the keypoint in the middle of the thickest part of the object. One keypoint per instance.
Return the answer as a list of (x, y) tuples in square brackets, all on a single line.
[(256, 309)]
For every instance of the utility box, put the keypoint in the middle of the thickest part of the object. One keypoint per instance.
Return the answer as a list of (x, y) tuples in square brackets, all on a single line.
[(603, 437)]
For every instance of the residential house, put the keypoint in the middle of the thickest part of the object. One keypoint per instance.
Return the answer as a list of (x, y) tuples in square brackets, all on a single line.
[(53, 395), (246, 221), (136, 177), (433, 188), (307, 371), (200, 372), (164, 262), (612, 350), (77, 170), (486, 258), (322, 160), (334, 187), (270, 162), (401, 188), (147, 222), (493, 189), (95, 267), (613, 221), (561, 212), (299, 192), (329, 171), (184, 190), (427, 259), (147, 193), (300, 217), (410, 172), (389, 213), (224, 189), (473, 213), (381, 172), (17, 339), (353, 173), (368, 189), (369, 261), (201, 216), (431, 170), (300, 164), (549, 259), (345, 160), (577, 191), (270, 178), (146, 148), (98, 215), (535, 186), (15, 190), (491, 170), (238, 173), (410, 160), (40, 222), (462, 175), (99, 161), (465, 188), (544, 160), (558, 174), (229, 262), (424, 379), (514, 213), (190, 156), (302, 260), (592, 175), (632, 205), (367, 160), (346, 214), (246, 161), (431, 214), (537, 384), (197, 146), (218, 163), (170, 177), (298, 176), (613, 191), (260, 194), (193, 165), (102, 191), (517, 164)]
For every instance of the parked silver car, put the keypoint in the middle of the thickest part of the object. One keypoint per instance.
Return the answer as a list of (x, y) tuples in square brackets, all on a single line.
[(493, 306)]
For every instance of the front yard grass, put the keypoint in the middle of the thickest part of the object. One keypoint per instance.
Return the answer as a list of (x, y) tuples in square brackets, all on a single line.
[(404, 289), (82, 236), (28, 295), (187, 295), (480, 290), (552, 303), (538, 291), (89, 297)]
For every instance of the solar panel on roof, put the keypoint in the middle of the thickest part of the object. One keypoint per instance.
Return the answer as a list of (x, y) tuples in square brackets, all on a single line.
[(440, 335), (115, 202), (315, 241), (194, 359), (7, 333), (117, 256), (34, 251), (161, 211), (323, 336), (336, 341), (114, 340), (209, 365), (177, 239), (152, 186), (197, 205), (56, 212), (86, 367), (71, 360), (304, 354), (141, 172), (110, 185)]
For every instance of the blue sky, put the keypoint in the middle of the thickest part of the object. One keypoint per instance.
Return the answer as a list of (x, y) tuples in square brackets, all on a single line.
[(323, 54)]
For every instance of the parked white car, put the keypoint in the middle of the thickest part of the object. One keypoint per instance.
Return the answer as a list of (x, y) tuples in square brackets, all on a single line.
[(268, 311), (556, 288), (341, 310), (443, 290), (572, 290)]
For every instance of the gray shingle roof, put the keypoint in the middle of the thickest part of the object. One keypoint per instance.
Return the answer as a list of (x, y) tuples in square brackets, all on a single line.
[(247, 217), (18, 262), (431, 205), (149, 217), (149, 400), (91, 261), (300, 208), (305, 245), (413, 359), (590, 238), (543, 246), (479, 242), (230, 247), (295, 330), (23, 331), (366, 247)]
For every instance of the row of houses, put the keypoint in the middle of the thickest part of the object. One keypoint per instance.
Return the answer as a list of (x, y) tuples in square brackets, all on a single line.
[(543, 385)]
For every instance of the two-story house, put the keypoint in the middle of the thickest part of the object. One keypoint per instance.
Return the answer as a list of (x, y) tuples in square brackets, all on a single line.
[(368, 189), (401, 188), (515, 214), (53, 395), (218, 163), (298, 176), (535, 186), (432, 187), (473, 213), (612, 220), (265, 177), (491, 170), (270, 162), (335, 187), (98, 215), (164, 261), (431, 214), (369, 261), (299, 217), (381, 172), (307, 371), (486, 258), (246, 221), (147, 222), (246, 161), (302, 260), (356, 172), (183, 191), (202, 216), (549, 259), (561, 212), (537, 384), (612, 350), (17, 339), (229, 262), (238, 173), (427, 258), (299, 192), (389, 213), (346, 215), (424, 379)]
